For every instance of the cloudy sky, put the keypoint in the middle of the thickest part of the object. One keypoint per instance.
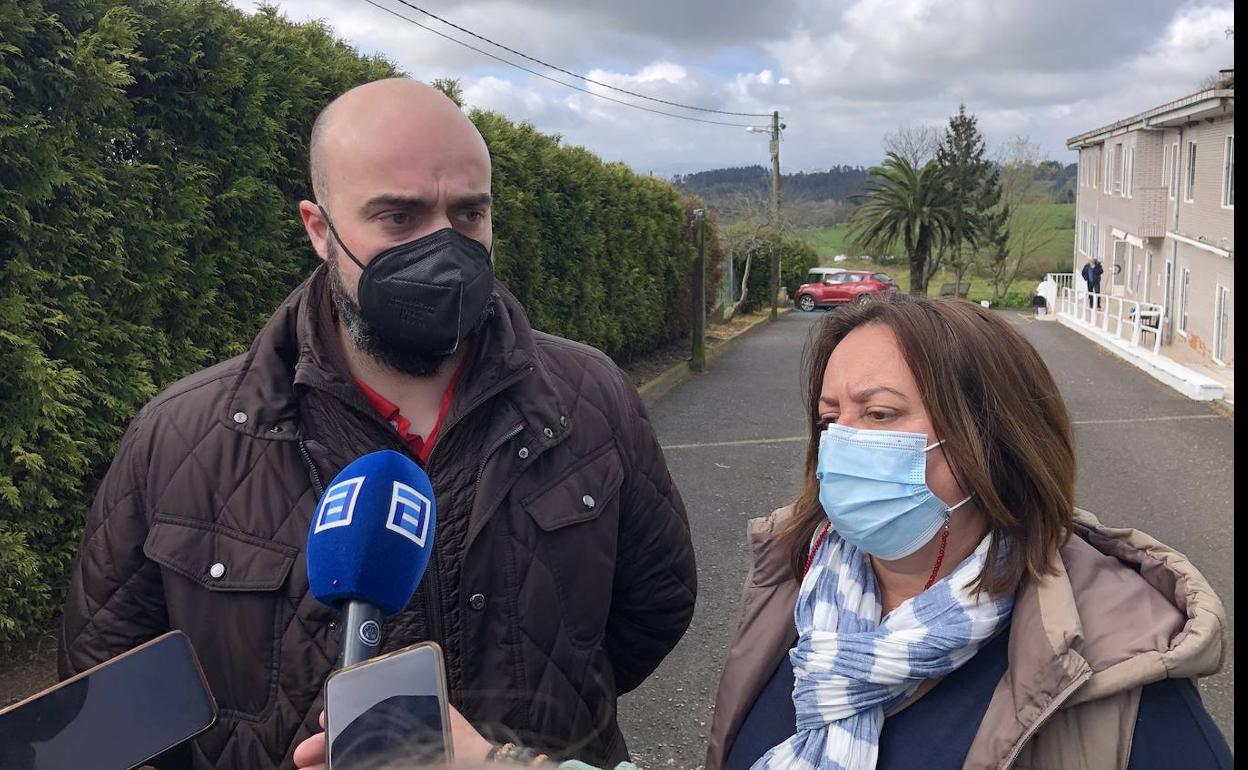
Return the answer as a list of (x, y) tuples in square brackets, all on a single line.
[(841, 72)]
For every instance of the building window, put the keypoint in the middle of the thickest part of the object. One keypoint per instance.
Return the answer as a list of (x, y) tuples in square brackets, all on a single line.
[(1184, 279), (1120, 169), (1172, 181), (1083, 237), (1228, 174), (1165, 165), (1096, 240), (1129, 172), (1189, 189), (1109, 156)]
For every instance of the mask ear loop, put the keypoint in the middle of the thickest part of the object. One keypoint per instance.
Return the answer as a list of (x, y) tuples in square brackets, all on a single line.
[(338, 237)]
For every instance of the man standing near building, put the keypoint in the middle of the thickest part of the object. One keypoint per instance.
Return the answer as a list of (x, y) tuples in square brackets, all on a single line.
[(1092, 276), (563, 571)]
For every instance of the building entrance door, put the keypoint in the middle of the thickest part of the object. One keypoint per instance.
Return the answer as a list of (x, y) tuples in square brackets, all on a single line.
[(1167, 301), (1222, 330), (1118, 269)]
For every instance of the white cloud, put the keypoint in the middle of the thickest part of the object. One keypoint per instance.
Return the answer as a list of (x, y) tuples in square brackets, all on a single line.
[(842, 72)]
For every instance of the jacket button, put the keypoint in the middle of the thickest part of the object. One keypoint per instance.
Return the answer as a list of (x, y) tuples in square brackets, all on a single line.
[(523, 453), (217, 571), (589, 502), (563, 421), (548, 433), (477, 601), (240, 417)]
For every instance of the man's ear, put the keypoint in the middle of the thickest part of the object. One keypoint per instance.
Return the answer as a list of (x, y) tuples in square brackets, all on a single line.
[(316, 227)]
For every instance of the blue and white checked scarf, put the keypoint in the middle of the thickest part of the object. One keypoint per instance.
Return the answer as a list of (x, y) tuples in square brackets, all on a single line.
[(850, 668)]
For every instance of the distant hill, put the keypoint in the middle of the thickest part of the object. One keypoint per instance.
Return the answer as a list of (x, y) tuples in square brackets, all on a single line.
[(817, 198), (734, 191)]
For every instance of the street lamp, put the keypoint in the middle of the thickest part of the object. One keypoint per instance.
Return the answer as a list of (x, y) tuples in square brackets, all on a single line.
[(774, 131)]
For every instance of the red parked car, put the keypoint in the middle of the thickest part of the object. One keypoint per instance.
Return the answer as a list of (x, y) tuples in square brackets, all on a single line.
[(840, 288)]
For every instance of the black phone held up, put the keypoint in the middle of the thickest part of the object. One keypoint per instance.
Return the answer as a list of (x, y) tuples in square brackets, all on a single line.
[(115, 716), (389, 708)]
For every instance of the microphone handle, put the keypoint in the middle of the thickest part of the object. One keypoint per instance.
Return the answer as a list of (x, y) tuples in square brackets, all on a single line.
[(360, 634)]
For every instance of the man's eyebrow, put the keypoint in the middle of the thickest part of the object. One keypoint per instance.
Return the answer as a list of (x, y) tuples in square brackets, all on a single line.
[(390, 200), (478, 200)]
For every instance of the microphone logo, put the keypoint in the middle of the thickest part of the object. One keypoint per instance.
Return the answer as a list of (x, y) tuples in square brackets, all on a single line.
[(338, 504), (409, 514), (370, 633)]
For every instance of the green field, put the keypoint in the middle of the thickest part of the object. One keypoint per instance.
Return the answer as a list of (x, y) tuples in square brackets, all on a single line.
[(1053, 256)]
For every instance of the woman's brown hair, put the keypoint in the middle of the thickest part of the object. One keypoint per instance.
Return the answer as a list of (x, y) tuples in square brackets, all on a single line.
[(994, 403)]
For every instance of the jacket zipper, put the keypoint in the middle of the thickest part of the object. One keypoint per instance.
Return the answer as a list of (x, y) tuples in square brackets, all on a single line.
[(1039, 721), (516, 431), (432, 582), (500, 387), (312, 471)]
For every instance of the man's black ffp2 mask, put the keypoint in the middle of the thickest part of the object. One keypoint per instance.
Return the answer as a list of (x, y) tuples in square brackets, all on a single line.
[(425, 295)]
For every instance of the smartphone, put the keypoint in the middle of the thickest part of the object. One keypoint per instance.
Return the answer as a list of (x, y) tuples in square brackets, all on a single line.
[(389, 708), (115, 716)]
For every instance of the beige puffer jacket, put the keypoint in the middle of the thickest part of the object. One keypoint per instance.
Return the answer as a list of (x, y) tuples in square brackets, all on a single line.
[(1122, 612)]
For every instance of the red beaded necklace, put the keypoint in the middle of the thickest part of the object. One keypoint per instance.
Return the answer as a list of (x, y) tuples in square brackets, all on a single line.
[(940, 555), (815, 549)]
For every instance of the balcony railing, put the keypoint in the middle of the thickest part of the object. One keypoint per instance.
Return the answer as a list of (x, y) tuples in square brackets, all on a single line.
[(1112, 315)]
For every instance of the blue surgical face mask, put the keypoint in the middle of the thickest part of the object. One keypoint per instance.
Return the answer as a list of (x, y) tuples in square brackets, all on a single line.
[(873, 486)]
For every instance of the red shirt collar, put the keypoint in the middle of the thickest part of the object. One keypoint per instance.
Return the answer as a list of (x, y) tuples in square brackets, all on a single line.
[(421, 447)]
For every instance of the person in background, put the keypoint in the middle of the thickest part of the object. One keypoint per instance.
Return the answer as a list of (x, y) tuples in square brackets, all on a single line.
[(1092, 276), (934, 598), (563, 570)]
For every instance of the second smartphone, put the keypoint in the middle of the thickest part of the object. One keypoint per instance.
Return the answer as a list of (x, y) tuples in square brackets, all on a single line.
[(393, 707)]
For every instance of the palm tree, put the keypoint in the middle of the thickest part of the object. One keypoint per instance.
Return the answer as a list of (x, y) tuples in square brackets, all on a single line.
[(907, 205)]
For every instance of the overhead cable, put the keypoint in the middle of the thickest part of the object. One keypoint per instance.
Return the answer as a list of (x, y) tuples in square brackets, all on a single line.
[(574, 87)]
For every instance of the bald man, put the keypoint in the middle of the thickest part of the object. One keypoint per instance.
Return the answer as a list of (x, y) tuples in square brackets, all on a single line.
[(563, 571)]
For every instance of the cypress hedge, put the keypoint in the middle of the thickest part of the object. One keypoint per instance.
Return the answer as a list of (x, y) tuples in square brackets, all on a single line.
[(151, 154)]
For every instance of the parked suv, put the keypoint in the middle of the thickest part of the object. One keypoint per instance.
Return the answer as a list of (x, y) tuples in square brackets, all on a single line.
[(840, 288)]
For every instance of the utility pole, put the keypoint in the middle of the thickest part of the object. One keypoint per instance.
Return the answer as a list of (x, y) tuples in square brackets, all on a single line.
[(697, 361), (776, 125)]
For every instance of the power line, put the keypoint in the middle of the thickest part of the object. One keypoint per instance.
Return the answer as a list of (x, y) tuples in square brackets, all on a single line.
[(469, 46), (576, 75)]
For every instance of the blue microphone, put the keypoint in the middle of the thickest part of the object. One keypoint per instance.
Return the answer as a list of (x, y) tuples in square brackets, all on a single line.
[(370, 544)]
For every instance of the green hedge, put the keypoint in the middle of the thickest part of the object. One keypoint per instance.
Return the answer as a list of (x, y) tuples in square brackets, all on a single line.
[(151, 155)]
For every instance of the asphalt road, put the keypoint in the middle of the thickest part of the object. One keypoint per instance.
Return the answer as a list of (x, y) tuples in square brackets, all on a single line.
[(1148, 458)]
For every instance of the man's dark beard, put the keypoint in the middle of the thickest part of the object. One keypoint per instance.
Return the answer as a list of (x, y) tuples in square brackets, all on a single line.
[(366, 337)]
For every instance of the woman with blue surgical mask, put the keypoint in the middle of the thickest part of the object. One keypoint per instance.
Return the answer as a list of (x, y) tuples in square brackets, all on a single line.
[(934, 599)]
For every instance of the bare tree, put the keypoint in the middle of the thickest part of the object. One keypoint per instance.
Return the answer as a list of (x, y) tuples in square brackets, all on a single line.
[(1027, 219), (916, 143), (751, 229)]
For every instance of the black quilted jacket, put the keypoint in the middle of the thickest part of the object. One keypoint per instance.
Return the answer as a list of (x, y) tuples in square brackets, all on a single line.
[(563, 570)]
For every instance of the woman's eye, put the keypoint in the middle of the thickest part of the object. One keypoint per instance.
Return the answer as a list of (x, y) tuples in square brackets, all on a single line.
[(879, 416), (824, 422)]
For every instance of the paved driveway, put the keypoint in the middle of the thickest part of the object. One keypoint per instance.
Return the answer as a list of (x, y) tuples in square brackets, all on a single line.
[(1148, 458)]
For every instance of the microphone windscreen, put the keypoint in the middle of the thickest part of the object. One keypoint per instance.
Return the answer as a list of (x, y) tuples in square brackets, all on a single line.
[(372, 533)]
